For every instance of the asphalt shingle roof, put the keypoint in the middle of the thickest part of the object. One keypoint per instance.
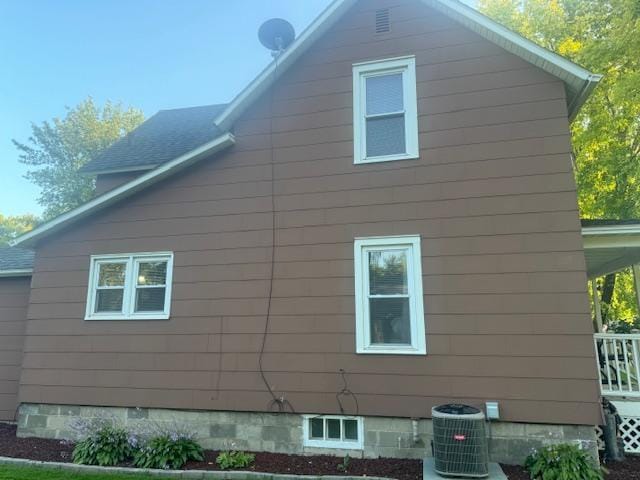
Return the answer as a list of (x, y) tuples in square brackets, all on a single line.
[(15, 258), (163, 137)]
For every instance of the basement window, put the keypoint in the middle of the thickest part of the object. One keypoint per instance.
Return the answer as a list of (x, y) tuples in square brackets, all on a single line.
[(333, 431), (389, 303), (133, 286), (385, 110)]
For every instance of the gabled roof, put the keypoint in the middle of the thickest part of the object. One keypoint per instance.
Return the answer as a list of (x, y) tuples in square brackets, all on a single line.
[(578, 82), (161, 138), (15, 262), (126, 190)]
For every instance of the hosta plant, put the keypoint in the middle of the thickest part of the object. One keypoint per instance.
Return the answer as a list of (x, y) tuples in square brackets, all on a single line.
[(234, 459), (106, 445), (167, 451), (562, 462)]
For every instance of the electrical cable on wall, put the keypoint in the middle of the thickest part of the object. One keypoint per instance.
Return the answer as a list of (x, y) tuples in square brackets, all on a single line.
[(275, 34)]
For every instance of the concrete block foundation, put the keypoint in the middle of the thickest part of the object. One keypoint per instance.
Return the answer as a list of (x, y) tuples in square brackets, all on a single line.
[(282, 432)]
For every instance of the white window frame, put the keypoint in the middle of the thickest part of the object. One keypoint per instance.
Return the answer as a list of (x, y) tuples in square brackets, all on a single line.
[(414, 278), (342, 444), (132, 261), (361, 71)]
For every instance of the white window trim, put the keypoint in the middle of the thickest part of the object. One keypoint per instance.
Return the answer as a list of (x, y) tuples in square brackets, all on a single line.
[(406, 66), (414, 276), (128, 301), (336, 444)]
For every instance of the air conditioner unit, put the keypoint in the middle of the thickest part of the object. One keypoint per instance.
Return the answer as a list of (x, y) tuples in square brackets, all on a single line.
[(459, 441)]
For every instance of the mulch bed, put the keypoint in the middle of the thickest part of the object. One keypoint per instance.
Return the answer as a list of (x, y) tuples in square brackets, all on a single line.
[(49, 450)]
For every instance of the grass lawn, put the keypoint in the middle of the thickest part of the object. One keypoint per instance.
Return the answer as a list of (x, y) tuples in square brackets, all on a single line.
[(9, 472)]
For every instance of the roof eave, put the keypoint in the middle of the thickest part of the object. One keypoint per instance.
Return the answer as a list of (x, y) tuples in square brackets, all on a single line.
[(125, 190), (261, 83), (17, 272), (587, 87), (137, 168)]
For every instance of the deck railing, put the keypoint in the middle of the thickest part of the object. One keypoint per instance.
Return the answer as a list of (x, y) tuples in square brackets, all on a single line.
[(619, 361)]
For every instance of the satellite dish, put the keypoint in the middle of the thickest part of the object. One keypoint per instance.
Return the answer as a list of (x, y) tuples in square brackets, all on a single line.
[(276, 34)]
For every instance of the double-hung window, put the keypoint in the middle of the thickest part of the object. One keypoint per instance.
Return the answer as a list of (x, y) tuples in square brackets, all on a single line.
[(385, 110), (389, 303), (130, 286)]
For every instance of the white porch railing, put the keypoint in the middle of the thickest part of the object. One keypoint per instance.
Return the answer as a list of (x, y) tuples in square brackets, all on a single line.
[(619, 362)]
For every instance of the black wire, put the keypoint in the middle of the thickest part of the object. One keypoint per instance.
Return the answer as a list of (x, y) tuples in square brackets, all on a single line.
[(345, 392), (280, 402)]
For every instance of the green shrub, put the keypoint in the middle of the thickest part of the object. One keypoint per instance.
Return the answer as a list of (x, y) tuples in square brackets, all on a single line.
[(167, 451), (562, 462), (234, 459), (105, 446)]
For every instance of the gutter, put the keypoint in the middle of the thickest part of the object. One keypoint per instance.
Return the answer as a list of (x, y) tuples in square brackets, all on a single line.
[(589, 84), (18, 272)]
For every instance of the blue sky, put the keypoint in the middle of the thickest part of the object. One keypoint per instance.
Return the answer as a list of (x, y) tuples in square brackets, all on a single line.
[(150, 54)]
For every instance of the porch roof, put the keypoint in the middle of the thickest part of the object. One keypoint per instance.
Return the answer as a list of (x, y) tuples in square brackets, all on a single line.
[(610, 245)]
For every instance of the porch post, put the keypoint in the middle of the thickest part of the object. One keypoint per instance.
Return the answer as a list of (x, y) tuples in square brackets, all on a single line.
[(596, 304), (636, 282)]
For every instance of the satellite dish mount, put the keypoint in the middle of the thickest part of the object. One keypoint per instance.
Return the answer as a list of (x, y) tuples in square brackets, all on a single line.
[(276, 35)]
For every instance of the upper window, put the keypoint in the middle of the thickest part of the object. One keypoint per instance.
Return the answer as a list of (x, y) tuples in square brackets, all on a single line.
[(333, 431), (385, 113), (389, 304), (130, 286)]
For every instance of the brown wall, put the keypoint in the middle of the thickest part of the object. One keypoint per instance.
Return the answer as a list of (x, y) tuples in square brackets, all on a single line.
[(109, 181), (14, 300), (493, 196)]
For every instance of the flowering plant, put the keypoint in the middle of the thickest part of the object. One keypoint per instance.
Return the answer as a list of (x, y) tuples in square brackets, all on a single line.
[(168, 450), (105, 445), (562, 462)]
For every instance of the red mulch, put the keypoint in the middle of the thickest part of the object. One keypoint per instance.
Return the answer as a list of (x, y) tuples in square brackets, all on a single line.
[(60, 451), (402, 469)]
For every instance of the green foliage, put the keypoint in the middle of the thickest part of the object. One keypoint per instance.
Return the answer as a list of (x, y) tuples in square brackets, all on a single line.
[(167, 451), (344, 466), (12, 227), (562, 462), (56, 150), (106, 446), (234, 459), (8, 472), (604, 37)]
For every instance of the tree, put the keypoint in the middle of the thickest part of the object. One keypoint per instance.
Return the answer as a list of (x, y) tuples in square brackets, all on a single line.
[(604, 37), (58, 149), (12, 227)]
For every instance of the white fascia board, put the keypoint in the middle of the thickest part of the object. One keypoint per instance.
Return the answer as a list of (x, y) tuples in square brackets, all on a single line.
[(21, 272), (632, 229), (126, 190), (263, 81), (579, 78)]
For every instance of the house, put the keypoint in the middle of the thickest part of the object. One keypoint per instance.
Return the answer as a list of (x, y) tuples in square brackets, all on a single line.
[(384, 220)]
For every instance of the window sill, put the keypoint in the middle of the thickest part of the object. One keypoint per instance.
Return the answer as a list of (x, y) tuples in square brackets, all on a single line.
[(159, 316), (387, 158), (333, 445), (391, 351)]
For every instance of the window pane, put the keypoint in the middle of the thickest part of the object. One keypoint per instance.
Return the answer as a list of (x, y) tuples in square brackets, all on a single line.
[(109, 300), (388, 272), (350, 429), (333, 428), (390, 320), (152, 273), (384, 94), (111, 274), (317, 428), (150, 299), (385, 136)]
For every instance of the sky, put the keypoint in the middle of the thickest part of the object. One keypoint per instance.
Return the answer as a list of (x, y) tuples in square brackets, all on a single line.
[(149, 54)]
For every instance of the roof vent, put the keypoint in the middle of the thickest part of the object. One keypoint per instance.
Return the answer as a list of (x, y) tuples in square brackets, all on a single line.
[(382, 20)]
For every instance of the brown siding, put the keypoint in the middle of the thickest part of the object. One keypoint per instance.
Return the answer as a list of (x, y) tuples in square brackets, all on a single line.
[(492, 195), (14, 300)]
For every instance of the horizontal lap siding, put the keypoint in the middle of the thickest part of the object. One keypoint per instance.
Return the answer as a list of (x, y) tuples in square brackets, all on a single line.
[(14, 300), (492, 196)]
